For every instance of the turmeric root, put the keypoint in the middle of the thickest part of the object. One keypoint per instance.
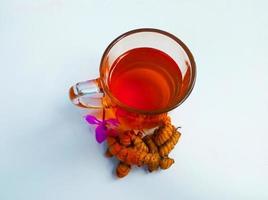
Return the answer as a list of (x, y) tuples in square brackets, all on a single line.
[(163, 133), (150, 143), (154, 164), (131, 155), (166, 162), (139, 144), (133, 148), (166, 120), (115, 149), (125, 138), (122, 169), (166, 148), (108, 154)]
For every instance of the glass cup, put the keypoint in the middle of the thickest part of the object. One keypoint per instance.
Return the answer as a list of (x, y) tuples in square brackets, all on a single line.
[(96, 93)]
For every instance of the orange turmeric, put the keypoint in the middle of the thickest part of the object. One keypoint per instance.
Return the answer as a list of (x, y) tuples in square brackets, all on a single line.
[(166, 120), (130, 155), (132, 148), (167, 147), (154, 164), (125, 138), (150, 143), (122, 169), (166, 162), (162, 134), (108, 154), (139, 144)]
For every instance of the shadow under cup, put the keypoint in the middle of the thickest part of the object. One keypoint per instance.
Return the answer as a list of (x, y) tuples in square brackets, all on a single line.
[(98, 93)]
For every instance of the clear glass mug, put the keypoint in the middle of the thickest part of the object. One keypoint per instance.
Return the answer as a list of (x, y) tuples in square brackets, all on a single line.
[(96, 93)]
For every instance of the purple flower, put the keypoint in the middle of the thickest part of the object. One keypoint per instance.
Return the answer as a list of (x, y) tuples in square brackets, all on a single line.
[(102, 126)]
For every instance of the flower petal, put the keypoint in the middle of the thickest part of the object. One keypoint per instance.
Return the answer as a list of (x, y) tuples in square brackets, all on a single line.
[(101, 134), (92, 119)]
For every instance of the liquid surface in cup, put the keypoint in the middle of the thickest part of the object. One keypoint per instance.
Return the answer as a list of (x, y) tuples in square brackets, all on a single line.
[(145, 78)]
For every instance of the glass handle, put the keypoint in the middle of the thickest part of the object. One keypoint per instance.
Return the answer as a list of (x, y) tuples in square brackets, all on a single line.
[(87, 94)]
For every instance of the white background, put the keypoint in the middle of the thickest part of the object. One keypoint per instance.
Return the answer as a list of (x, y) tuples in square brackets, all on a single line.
[(47, 151)]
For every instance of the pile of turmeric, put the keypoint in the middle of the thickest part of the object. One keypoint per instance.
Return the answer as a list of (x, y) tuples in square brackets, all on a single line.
[(133, 148)]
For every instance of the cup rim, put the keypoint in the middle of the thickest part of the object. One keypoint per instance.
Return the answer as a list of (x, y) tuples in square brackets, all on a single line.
[(151, 112)]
